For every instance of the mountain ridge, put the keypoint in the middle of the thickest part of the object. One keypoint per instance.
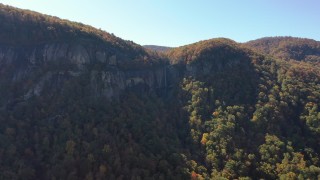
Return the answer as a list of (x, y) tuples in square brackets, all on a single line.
[(288, 48)]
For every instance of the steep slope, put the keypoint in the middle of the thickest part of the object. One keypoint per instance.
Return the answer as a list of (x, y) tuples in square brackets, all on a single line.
[(222, 59), (40, 49), (249, 115), (79, 103), (288, 48)]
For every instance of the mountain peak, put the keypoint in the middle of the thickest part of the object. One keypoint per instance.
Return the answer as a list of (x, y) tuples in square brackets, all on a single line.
[(192, 52)]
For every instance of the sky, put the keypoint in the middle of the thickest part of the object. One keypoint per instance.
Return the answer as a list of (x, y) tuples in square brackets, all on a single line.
[(180, 22)]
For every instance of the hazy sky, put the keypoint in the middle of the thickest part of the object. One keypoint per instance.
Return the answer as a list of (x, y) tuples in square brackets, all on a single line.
[(180, 22)]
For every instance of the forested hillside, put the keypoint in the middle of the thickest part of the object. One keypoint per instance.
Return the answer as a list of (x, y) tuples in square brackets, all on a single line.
[(288, 48), (252, 116), (80, 103)]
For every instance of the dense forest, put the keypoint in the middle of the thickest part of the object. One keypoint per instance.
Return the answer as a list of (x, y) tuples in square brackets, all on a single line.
[(106, 108), (287, 48)]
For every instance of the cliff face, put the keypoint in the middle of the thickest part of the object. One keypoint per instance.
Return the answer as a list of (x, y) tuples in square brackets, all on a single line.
[(56, 64), (48, 54)]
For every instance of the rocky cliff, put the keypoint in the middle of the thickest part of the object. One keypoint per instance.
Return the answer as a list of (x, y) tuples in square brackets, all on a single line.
[(49, 63), (51, 52)]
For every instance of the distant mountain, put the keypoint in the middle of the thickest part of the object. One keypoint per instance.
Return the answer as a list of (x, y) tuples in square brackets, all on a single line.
[(157, 48), (300, 49), (80, 103)]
